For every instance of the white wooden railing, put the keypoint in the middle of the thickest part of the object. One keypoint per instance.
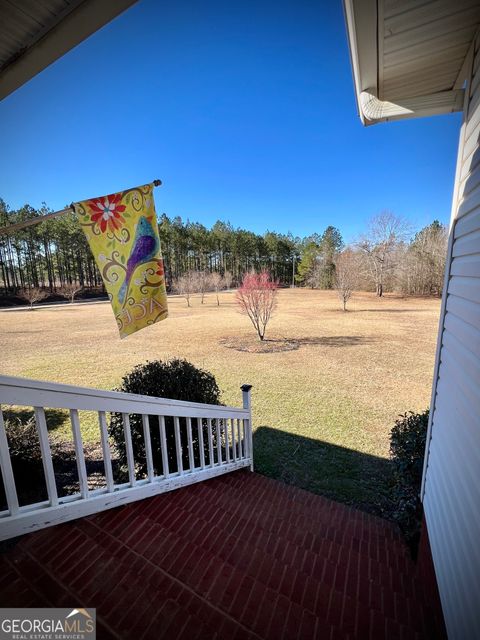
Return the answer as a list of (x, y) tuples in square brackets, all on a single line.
[(223, 443)]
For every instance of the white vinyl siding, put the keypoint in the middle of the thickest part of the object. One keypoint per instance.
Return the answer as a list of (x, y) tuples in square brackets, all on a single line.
[(452, 481)]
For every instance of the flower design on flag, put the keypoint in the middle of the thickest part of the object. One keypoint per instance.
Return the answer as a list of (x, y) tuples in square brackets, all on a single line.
[(106, 212)]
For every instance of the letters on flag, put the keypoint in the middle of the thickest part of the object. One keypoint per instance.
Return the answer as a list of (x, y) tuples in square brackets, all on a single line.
[(122, 232)]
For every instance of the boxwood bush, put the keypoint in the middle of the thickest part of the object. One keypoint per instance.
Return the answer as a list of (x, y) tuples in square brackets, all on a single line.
[(26, 457), (23, 444), (407, 451), (175, 379)]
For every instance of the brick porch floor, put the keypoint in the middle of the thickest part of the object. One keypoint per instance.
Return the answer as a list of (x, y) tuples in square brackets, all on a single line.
[(239, 556)]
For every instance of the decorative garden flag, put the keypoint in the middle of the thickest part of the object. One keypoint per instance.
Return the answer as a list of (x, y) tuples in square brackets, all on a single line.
[(122, 232)]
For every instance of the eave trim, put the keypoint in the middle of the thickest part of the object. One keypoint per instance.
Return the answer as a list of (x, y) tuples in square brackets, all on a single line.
[(74, 28), (375, 110)]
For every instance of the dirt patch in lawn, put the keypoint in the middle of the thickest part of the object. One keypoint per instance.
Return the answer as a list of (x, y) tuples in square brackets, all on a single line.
[(253, 345)]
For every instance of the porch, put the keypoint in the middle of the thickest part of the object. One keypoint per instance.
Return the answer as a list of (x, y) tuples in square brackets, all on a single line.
[(196, 545), (237, 556)]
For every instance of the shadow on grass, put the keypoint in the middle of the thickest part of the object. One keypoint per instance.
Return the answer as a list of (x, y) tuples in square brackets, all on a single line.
[(334, 341), (26, 332), (391, 311), (273, 345), (55, 417), (345, 475)]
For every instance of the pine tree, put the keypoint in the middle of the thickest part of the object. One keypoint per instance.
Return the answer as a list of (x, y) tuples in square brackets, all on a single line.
[(307, 270), (331, 243)]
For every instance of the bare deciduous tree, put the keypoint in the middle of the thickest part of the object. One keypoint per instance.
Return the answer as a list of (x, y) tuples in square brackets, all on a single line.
[(228, 279), (385, 232), (69, 291), (257, 298), (314, 276), (217, 283), (346, 275), (33, 295), (186, 285), (202, 283), (422, 263)]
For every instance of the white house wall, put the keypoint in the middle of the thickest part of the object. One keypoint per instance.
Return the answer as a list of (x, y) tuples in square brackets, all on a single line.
[(452, 480)]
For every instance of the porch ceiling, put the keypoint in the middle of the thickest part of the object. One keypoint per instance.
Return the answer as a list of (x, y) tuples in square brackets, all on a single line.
[(409, 58), (34, 34)]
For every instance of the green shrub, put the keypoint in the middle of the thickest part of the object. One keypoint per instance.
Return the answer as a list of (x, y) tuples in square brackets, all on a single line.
[(407, 451), (175, 379), (26, 457), (407, 446), (23, 442)]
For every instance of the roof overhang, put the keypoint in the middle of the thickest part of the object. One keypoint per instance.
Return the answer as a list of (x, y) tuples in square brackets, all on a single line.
[(409, 59), (34, 34)]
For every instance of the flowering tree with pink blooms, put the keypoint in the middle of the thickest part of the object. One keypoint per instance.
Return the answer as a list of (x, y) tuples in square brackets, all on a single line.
[(256, 298)]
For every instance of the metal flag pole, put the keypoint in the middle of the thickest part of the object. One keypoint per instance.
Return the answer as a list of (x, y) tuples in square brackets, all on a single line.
[(54, 214)]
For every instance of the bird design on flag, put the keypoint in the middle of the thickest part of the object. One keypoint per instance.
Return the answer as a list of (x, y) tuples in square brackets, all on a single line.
[(145, 247)]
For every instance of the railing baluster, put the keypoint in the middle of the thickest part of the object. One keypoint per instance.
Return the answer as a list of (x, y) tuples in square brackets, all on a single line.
[(247, 423), (163, 444), (129, 449), (240, 452), (178, 444), (148, 446), (220, 427), (227, 439), (46, 455), (107, 457), (201, 444), (245, 439), (210, 443), (7, 472), (77, 441), (190, 444), (234, 444), (219, 441)]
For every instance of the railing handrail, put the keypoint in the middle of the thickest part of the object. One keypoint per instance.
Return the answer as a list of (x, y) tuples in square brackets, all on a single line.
[(223, 434), (21, 391)]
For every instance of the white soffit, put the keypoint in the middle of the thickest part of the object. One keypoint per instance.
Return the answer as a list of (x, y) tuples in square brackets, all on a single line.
[(35, 33), (408, 56)]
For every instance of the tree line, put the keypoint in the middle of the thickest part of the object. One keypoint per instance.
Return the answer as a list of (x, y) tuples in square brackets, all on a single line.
[(49, 255), (54, 255), (386, 257)]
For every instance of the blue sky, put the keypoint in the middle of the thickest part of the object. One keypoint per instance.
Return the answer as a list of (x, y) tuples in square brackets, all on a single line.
[(245, 110)]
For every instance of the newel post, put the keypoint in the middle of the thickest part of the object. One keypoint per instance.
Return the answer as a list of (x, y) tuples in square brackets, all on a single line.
[(247, 404)]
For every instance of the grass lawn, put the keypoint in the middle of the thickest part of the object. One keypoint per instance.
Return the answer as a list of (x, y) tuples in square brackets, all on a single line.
[(322, 411)]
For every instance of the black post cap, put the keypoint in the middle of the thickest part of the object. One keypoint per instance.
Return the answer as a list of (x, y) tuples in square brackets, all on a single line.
[(246, 387)]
